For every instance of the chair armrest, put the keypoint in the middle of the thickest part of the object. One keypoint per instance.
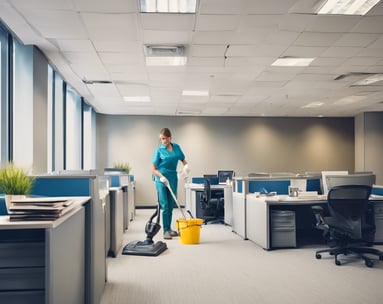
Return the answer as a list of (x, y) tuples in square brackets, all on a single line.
[(317, 210)]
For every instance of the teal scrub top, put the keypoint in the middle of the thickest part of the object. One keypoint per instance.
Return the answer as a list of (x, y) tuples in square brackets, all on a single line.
[(166, 161)]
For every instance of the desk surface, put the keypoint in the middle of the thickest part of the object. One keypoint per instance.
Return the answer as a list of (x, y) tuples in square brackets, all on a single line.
[(193, 186), (309, 200)]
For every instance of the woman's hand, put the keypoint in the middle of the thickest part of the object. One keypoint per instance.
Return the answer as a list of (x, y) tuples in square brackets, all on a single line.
[(164, 180)]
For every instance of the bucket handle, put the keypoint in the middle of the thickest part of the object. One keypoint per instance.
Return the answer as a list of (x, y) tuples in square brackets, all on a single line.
[(188, 226)]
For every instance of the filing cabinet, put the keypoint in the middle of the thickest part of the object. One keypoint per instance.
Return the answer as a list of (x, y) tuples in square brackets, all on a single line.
[(22, 266), (282, 226)]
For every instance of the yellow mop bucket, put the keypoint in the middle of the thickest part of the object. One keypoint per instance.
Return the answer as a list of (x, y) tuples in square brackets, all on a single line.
[(189, 230)]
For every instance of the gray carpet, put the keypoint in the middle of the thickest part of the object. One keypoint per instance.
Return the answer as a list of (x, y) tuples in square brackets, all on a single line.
[(226, 269)]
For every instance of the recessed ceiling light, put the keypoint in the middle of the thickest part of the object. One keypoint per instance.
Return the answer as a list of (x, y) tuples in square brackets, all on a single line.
[(347, 7), (369, 80), (349, 100), (168, 6), (136, 98), (292, 61), (314, 104), (188, 112), (195, 93), (166, 61)]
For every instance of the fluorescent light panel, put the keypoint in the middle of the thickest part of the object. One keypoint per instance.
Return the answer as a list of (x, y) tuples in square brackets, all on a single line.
[(168, 6), (349, 100), (166, 61), (136, 98), (369, 80), (291, 61), (315, 104), (347, 7), (195, 93)]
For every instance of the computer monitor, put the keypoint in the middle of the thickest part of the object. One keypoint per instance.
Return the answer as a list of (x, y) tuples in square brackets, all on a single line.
[(325, 187), (223, 175), (352, 179)]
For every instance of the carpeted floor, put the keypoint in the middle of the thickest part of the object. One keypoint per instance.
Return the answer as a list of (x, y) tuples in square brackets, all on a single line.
[(226, 269)]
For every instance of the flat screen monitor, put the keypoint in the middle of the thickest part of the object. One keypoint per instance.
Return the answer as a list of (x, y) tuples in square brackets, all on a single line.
[(325, 187), (352, 179), (223, 175)]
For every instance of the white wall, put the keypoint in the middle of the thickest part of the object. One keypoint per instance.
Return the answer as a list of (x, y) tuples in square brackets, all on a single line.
[(212, 143)]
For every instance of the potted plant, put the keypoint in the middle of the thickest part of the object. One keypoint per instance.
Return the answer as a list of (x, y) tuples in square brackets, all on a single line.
[(14, 181), (124, 166)]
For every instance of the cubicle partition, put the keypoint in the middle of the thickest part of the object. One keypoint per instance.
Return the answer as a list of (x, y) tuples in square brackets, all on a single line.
[(126, 182), (116, 218), (97, 187)]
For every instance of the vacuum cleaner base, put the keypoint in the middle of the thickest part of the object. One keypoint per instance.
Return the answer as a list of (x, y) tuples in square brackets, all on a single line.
[(138, 248)]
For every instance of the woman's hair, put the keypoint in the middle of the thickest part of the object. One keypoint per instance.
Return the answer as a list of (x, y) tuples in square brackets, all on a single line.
[(166, 132)]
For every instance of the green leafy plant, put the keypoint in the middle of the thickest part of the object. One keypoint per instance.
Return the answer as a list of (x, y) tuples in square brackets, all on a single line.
[(14, 180), (125, 167)]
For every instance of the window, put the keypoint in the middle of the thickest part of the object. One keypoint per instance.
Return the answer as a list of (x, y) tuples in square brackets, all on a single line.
[(4, 95), (58, 123), (89, 138), (22, 113), (73, 130)]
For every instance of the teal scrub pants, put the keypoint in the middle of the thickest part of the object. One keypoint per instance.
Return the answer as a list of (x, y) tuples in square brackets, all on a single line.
[(166, 201)]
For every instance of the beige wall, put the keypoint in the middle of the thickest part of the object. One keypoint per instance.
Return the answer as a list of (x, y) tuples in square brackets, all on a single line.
[(212, 143), (369, 143)]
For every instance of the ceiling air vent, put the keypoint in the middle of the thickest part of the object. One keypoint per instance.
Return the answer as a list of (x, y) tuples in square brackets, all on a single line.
[(88, 81), (164, 50), (165, 55)]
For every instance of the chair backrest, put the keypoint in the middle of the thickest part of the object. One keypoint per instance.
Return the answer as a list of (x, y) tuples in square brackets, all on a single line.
[(207, 190), (348, 204)]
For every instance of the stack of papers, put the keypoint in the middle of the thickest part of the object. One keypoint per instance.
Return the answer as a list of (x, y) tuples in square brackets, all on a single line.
[(39, 209)]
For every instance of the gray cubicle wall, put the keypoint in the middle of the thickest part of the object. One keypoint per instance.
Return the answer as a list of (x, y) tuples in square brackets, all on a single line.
[(244, 144), (82, 183)]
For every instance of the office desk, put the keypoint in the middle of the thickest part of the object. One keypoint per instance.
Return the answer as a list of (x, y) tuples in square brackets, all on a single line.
[(258, 211), (192, 192), (44, 261), (242, 186)]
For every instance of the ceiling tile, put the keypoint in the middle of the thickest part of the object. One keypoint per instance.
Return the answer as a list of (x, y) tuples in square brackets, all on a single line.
[(217, 22)]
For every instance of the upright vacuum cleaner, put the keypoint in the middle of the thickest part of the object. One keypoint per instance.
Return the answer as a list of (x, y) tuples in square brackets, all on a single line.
[(147, 247)]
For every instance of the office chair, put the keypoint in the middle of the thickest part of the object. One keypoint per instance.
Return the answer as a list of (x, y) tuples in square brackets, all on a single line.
[(350, 228), (212, 206)]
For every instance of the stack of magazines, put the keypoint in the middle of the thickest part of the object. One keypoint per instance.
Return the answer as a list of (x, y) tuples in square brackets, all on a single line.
[(39, 208)]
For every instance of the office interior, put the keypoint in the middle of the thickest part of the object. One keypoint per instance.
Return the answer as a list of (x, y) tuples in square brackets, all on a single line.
[(49, 123)]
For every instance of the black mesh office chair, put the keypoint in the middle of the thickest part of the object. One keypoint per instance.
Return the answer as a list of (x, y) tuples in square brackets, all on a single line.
[(350, 228), (212, 206)]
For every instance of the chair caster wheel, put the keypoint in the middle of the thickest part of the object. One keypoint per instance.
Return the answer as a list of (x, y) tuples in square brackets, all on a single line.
[(318, 256), (369, 263), (337, 263)]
